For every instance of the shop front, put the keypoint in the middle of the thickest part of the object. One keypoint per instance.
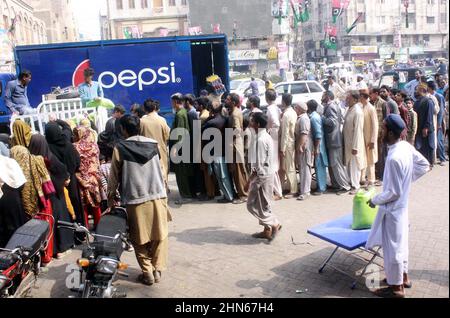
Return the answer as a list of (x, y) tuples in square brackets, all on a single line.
[(364, 53)]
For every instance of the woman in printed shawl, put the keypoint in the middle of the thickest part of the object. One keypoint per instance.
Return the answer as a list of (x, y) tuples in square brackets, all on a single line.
[(63, 238), (39, 186), (89, 173), (21, 133)]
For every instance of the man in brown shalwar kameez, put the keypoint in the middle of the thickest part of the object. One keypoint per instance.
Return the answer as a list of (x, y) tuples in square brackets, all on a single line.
[(136, 170)]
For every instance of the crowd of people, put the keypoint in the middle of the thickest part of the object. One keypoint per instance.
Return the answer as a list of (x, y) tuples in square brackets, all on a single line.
[(73, 173)]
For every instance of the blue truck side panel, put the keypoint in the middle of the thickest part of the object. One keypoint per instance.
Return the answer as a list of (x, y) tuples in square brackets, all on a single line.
[(130, 70), (4, 111), (50, 68)]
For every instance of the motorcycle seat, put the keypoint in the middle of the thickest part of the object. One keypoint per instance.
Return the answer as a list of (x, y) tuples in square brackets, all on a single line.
[(111, 225), (29, 236), (7, 260)]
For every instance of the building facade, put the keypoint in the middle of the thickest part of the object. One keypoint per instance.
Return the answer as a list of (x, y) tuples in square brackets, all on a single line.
[(249, 26), (383, 31), (28, 28), (59, 19), (144, 18), (18, 26)]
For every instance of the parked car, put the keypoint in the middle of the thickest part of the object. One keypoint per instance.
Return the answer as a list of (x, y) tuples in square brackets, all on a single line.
[(302, 91), (240, 85), (234, 74)]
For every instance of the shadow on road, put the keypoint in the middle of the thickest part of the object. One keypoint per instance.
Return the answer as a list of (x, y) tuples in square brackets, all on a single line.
[(300, 278), (216, 235)]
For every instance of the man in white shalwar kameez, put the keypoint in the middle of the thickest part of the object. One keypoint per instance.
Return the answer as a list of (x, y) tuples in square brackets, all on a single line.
[(404, 164), (354, 146), (273, 128)]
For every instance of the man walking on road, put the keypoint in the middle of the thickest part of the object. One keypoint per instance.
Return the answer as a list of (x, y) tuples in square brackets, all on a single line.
[(136, 170), (260, 185)]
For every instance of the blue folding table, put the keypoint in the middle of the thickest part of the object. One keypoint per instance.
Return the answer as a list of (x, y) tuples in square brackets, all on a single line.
[(339, 232)]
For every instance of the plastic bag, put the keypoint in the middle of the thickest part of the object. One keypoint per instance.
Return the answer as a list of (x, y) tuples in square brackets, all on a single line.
[(103, 102), (363, 214)]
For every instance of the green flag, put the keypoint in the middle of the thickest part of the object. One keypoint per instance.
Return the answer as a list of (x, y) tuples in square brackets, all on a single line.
[(304, 15), (331, 38), (127, 33)]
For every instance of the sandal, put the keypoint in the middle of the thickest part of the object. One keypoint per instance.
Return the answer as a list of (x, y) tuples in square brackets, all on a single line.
[(407, 285), (146, 279), (388, 292), (239, 201), (266, 234), (275, 231)]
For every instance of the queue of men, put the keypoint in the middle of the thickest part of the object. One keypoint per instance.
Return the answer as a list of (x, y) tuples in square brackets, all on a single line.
[(294, 150)]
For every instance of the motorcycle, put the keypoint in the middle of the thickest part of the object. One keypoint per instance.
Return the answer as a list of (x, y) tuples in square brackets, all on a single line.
[(20, 260), (100, 263)]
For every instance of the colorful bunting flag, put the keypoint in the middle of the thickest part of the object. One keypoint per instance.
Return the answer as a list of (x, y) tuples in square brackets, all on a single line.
[(216, 28), (331, 38), (339, 6), (358, 20), (304, 5)]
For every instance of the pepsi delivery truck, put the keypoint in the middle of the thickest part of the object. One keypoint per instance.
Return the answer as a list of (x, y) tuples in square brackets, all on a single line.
[(130, 71)]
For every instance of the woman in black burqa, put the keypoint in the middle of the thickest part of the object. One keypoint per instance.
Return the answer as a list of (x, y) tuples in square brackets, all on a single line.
[(63, 149)]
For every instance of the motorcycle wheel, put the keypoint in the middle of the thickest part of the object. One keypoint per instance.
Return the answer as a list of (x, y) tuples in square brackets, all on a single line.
[(86, 290)]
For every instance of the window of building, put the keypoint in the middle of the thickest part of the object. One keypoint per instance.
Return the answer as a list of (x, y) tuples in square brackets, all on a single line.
[(443, 18), (382, 1), (431, 2), (119, 4), (412, 1), (362, 39), (426, 38), (184, 2), (144, 4), (431, 20), (172, 3), (411, 18), (379, 39), (131, 4), (390, 39)]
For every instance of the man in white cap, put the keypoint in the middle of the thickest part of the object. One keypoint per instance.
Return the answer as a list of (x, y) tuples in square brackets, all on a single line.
[(404, 165), (360, 83)]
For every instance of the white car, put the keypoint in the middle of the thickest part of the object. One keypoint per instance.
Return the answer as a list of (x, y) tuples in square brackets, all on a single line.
[(240, 85), (302, 91), (234, 74)]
